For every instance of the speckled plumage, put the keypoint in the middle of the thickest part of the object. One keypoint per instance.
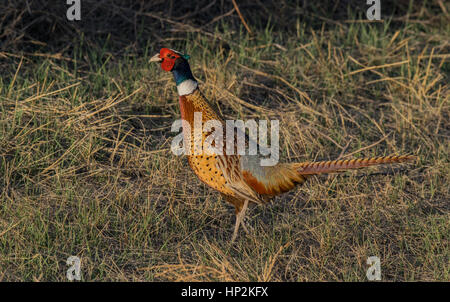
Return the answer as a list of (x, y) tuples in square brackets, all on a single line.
[(204, 166)]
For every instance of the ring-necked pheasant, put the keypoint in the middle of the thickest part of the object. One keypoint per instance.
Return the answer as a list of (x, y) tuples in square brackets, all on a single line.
[(240, 178)]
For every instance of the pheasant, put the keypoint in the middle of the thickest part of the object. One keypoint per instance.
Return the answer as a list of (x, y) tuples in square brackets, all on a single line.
[(241, 179)]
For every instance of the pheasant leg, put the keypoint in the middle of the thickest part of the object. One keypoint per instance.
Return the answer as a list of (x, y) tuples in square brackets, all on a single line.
[(240, 219)]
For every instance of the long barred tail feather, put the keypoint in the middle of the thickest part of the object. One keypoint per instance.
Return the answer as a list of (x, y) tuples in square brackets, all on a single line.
[(311, 168)]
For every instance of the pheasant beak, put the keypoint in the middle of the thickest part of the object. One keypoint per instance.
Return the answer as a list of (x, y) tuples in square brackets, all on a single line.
[(156, 58)]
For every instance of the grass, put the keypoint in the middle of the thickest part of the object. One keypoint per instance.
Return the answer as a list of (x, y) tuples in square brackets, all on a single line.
[(86, 167)]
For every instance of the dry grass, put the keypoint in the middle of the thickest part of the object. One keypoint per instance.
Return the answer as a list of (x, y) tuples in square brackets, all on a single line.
[(86, 167)]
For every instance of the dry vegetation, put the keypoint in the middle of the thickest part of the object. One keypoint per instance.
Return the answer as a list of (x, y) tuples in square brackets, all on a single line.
[(85, 165)]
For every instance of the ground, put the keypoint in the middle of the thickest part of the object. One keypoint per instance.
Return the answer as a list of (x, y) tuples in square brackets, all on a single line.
[(85, 161)]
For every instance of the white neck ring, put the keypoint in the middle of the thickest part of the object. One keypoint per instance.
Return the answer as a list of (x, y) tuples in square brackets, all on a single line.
[(187, 87)]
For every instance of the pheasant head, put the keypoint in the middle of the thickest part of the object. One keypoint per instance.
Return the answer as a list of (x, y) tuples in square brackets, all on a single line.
[(176, 62)]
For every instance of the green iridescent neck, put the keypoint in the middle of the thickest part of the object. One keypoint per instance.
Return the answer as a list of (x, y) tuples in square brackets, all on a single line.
[(181, 71)]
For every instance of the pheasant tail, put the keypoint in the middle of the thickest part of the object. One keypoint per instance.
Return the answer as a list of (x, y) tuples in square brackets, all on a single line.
[(281, 178), (312, 168)]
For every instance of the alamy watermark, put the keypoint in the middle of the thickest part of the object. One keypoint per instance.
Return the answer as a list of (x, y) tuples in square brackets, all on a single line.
[(74, 271), (374, 11), (374, 271), (74, 10), (210, 138)]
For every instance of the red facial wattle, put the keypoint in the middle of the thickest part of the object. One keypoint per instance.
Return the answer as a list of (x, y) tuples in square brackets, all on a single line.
[(168, 57)]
